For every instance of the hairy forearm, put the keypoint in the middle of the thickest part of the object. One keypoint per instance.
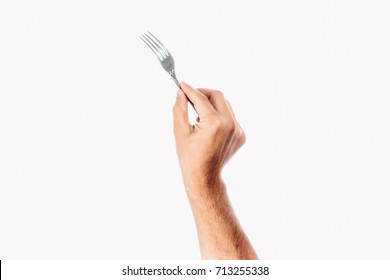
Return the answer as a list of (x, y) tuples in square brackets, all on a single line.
[(219, 232)]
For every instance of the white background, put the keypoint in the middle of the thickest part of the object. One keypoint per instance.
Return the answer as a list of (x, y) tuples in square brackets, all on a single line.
[(87, 158)]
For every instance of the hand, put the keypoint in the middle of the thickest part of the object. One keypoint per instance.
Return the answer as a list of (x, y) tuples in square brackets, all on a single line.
[(205, 147)]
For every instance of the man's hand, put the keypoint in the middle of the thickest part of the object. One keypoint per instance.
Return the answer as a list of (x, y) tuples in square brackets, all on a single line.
[(203, 149)]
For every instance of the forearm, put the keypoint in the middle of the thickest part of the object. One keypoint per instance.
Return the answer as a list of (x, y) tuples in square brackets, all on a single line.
[(219, 232)]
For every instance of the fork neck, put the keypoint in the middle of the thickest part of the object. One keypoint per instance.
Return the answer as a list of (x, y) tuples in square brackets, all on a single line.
[(173, 75)]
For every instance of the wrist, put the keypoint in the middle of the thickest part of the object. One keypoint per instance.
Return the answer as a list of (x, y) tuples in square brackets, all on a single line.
[(201, 187)]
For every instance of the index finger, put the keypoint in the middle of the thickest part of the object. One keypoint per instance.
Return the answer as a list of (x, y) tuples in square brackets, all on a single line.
[(201, 103), (217, 99)]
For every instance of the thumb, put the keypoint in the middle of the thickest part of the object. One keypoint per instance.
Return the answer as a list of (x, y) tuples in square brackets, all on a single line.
[(180, 114)]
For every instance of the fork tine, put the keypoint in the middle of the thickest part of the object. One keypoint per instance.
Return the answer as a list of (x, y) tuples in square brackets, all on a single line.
[(152, 47), (157, 45), (161, 44)]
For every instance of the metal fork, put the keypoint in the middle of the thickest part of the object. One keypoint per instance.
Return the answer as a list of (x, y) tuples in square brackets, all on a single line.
[(162, 53)]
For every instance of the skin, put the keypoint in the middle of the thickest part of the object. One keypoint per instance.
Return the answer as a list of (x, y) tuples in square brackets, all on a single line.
[(203, 149)]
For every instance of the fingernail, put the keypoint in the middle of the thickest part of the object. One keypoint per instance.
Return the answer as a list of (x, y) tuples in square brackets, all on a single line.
[(178, 93)]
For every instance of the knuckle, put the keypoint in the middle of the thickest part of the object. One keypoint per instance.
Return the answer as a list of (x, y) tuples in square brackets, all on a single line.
[(219, 95), (229, 105), (218, 92), (242, 138), (216, 121), (231, 128)]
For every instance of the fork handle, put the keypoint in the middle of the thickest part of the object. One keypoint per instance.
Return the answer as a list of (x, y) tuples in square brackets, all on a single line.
[(178, 84), (192, 104), (176, 81)]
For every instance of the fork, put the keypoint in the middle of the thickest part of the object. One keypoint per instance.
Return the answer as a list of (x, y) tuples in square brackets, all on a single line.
[(162, 53)]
